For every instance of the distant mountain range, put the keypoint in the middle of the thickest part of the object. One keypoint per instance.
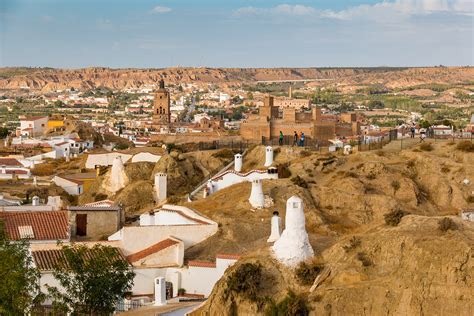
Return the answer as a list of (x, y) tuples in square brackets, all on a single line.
[(50, 79)]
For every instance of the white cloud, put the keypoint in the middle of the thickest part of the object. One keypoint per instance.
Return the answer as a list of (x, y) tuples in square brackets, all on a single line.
[(281, 9), (159, 9), (377, 11)]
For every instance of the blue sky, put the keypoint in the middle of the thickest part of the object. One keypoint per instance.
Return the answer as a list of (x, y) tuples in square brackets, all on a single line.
[(226, 33)]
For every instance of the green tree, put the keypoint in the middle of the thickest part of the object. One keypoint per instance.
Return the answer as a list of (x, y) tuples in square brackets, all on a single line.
[(94, 279), (19, 286), (4, 132)]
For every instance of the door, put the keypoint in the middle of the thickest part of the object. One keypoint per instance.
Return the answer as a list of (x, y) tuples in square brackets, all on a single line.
[(169, 290), (81, 224)]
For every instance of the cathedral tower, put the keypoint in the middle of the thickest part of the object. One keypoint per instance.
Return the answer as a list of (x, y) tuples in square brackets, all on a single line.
[(161, 106)]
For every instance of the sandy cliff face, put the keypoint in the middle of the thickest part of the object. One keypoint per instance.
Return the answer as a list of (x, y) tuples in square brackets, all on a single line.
[(46, 79)]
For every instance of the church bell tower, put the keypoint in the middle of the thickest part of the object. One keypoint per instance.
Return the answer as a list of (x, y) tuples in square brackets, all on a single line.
[(161, 106)]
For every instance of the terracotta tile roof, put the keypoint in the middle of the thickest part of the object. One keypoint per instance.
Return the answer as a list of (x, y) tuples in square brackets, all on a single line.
[(228, 256), (46, 225), (152, 249), (13, 162), (47, 260), (201, 264), (16, 171)]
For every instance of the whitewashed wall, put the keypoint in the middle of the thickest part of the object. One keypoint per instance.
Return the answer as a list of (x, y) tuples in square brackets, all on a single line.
[(231, 178)]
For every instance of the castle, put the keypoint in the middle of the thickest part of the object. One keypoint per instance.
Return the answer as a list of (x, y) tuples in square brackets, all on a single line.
[(271, 120)]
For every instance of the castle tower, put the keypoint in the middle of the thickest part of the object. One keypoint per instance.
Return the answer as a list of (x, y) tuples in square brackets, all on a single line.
[(293, 246), (238, 162), (160, 186), (161, 106), (268, 156), (257, 198), (275, 231)]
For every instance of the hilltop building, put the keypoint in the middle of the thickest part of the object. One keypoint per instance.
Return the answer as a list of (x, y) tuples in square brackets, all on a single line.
[(270, 121), (161, 107)]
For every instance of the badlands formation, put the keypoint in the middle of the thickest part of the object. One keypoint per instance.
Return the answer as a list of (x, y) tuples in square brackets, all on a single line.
[(367, 265)]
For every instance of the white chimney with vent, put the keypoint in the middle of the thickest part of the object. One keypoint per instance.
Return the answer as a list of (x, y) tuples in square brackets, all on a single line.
[(238, 162), (35, 201), (268, 156), (160, 291), (257, 199), (275, 228), (293, 246), (161, 180)]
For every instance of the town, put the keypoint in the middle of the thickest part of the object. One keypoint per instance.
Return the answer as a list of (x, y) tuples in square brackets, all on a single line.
[(234, 158), (140, 171)]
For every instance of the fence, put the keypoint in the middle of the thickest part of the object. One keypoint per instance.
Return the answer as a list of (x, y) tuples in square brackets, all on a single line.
[(238, 145)]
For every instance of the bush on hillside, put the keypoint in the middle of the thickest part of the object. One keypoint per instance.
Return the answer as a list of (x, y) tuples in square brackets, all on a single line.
[(306, 273), (466, 146), (426, 147), (299, 182), (225, 153), (245, 281), (292, 304), (364, 259), (446, 224), (393, 218)]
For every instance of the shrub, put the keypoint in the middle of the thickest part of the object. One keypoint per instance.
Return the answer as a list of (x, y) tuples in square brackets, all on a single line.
[(173, 199), (380, 153), (446, 224), (445, 169), (299, 182), (393, 218), (181, 291), (364, 258), (225, 153), (245, 280), (371, 176), (426, 147), (100, 197), (470, 199), (284, 171), (292, 304), (466, 146), (354, 242), (306, 273), (395, 186), (305, 153)]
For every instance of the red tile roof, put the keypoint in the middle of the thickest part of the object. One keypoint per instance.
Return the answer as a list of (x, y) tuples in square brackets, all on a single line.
[(47, 260), (201, 264), (46, 225), (166, 243), (13, 162), (228, 256), (33, 118)]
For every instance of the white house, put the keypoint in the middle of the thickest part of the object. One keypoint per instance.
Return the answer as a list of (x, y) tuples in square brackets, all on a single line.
[(231, 177), (71, 186), (105, 159), (442, 131), (33, 125)]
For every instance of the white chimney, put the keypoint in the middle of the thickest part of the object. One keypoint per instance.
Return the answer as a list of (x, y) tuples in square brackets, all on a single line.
[(257, 198), (160, 291), (293, 246), (160, 186), (268, 156), (4, 169), (275, 228), (238, 162), (35, 201)]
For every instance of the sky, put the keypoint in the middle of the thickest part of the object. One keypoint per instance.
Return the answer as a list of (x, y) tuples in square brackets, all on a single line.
[(240, 33)]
